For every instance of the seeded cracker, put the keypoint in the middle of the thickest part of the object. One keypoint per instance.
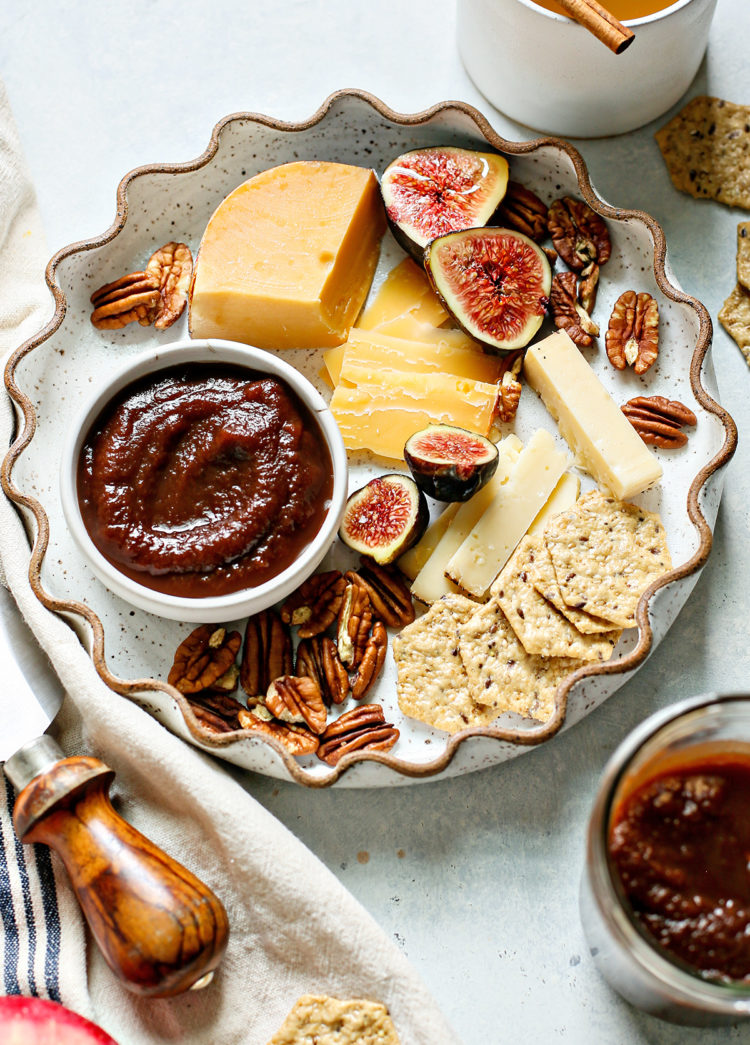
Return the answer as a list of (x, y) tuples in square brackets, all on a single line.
[(539, 627), (501, 673), (544, 580), (735, 318), (328, 1021), (706, 147), (743, 254), (605, 554), (432, 683)]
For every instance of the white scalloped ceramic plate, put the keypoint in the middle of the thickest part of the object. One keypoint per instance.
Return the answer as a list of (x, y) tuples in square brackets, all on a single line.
[(53, 373)]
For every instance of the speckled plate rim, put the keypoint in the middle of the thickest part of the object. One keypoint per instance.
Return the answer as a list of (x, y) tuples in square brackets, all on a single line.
[(532, 736)]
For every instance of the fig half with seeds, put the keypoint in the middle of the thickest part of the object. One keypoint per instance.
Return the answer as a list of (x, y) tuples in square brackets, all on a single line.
[(449, 463), (494, 282), (385, 518), (429, 192)]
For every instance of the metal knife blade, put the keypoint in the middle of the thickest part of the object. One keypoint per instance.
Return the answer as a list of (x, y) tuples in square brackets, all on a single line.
[(31, 693)]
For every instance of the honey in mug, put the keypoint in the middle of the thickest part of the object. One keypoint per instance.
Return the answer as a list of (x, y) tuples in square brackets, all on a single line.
[(625, 10)]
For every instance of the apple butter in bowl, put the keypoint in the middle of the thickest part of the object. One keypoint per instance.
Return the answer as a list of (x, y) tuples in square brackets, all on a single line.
[(205, 480)]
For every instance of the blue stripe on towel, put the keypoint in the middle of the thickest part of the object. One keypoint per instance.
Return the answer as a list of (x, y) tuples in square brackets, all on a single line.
[(7, 913), (52, 918), (46, 935), (27, 905)]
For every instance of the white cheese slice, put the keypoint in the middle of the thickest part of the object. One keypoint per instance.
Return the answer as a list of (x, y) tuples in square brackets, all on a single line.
[(491, 542), (411, 562), (431, 584), (564, 496), (598, 433)]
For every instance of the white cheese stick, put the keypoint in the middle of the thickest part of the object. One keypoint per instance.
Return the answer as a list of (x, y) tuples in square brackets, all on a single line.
[(493, 539), (598, 433), (431, 583)]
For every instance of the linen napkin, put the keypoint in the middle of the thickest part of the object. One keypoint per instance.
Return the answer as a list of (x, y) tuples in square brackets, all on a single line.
[(294, 928)]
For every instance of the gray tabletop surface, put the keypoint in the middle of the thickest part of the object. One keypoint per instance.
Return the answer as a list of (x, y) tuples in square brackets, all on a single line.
[(475, 878)]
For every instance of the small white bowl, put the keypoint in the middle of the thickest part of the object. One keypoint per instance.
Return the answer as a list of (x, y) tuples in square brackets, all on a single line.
[(236, 604), (546, 71)]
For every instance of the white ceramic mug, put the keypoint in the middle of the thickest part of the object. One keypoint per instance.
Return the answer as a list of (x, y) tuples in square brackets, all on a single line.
[(548, 72)]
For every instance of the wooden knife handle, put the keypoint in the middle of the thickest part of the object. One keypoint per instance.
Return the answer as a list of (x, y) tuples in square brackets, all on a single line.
[(159, 927)]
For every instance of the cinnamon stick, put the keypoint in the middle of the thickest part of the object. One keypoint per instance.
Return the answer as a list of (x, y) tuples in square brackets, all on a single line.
[(598, 20)]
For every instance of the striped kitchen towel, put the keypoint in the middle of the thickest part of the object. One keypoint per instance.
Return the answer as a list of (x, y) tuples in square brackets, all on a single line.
[(42, 947)]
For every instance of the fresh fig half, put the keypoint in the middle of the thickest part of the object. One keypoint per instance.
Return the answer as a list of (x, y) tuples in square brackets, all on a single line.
[(449, 463), (494, 282), (385, 518), (429, 192)]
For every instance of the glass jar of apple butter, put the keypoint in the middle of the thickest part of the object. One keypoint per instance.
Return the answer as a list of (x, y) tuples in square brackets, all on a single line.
[(665, 894)]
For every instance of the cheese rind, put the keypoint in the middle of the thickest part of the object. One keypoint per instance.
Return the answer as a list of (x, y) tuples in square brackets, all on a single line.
[(431, 582), (491, 542), (287, 258), (601, 437)]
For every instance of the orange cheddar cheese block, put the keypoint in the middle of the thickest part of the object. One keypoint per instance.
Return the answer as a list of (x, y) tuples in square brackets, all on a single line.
[(288, 257), (388, 406), (377, 351), (406, 291)]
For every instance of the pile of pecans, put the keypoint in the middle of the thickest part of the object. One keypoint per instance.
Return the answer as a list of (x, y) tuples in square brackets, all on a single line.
[(288, 696), (581, 239)]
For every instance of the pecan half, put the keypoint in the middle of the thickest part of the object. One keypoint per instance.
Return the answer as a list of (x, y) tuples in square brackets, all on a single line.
[(126, 300), (211, 721), (355, 622), (659, 420), (203, 657), (509, 392), (296, 739), (632, 338), (579, 235), (521, 209), (297, 700), (267, 653), (389, 593), (219, 712), (567, 314), (372, 661), (172, 267), (362, 729), (587, 288), (315, 604), (318, 659)]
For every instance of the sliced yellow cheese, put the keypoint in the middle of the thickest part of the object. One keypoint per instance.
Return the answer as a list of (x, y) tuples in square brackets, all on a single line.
[(431, 583), (334, 360), (564, 496), (599, 434), (413, 330), (287, 259), (412, 561), (492, 541), (405, 291), (371, 349), (388, 406)]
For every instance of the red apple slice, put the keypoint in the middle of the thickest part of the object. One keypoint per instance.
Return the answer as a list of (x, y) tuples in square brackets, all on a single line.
[(34, 1021)]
